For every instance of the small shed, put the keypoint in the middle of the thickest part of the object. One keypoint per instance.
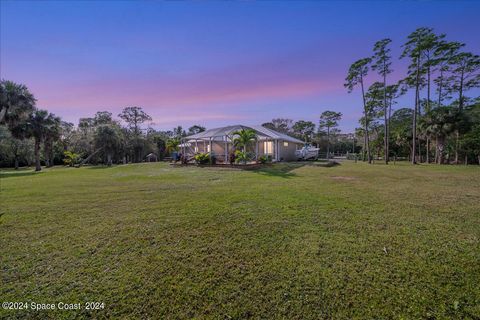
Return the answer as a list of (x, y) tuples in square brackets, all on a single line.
[(151, 157)]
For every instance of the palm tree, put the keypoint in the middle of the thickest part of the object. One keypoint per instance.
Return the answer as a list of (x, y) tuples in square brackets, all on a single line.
[(440, 123), (172, 145), (52, 133), (16, 102), (244, 137), (37, 125), (424, 133)]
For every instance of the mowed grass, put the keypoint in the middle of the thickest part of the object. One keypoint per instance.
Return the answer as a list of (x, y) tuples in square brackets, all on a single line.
[(292, 241)]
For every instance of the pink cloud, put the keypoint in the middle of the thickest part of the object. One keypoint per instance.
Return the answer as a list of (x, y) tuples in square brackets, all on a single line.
[(198, 90), (193, 118)]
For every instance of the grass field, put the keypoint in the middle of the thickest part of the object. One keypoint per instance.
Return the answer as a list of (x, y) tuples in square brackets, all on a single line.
[(291, 241)]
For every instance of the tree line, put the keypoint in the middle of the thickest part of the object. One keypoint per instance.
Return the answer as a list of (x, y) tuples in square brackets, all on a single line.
[(326, 135), (443, 126), (29, 135)]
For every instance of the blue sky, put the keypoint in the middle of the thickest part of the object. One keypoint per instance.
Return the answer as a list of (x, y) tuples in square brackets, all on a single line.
[(211, 63)]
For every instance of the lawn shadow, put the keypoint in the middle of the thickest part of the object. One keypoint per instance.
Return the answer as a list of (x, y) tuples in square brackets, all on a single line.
[(283, 170), (324, 163), (13, 174), (98, 167)]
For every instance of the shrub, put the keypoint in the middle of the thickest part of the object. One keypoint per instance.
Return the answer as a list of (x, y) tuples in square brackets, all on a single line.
[(265, 159), (202, 158), (232, 158), (241, 156), (71, 158)]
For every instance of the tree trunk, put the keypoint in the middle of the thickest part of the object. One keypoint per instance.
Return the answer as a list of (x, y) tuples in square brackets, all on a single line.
[(440, 87), (414, 126), (385, 131), (428, 87), (37, 155), (48, 147), (428, 151), (50, 158), (440, 146), (3, 112), (460, 93), (46, 153), (457, 134), (328, 143), (16, 162), (364, 149), (367, 139), (244, 153), (388, 125), (419, 155), (89, 157)]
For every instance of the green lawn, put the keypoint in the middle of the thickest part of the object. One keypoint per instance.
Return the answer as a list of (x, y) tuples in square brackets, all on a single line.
[(291, 241)]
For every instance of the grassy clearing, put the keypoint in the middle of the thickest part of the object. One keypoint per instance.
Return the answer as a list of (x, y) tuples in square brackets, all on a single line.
[(291, 241)]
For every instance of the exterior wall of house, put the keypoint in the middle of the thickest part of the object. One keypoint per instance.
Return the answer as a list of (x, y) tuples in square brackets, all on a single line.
[(218, 149), (287, 152), (265, 151), (201, 147), (276, 148)]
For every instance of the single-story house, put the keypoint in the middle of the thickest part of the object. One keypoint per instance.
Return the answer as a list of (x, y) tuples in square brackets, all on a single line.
[(219, 142)]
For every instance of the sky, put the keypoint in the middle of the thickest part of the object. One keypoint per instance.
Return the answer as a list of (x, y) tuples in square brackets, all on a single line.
[(211, 63)]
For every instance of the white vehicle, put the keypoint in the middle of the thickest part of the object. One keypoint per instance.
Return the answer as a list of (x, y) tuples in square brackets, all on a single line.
[(307, 152)]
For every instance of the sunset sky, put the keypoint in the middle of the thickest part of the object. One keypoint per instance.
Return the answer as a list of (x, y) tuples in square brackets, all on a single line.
[(211, 63)]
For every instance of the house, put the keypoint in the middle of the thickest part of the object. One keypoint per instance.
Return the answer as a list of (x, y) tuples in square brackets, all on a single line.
[(219, 142)]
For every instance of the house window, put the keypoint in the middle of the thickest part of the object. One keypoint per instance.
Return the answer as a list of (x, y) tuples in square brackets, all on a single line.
[(268, 147), (285, 143)]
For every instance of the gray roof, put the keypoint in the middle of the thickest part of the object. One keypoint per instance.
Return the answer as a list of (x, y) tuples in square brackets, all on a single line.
[(216, 132), (263, 133), (276, 135)]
